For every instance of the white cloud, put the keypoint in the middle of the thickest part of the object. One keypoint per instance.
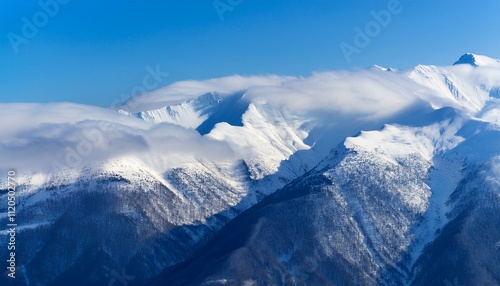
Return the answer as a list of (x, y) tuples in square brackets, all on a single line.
[(40, 134), (44, 134), (184, 90), (367, 94), (35, 135)]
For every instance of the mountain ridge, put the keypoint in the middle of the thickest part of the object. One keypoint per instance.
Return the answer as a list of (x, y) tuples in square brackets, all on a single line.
[(173, 175)]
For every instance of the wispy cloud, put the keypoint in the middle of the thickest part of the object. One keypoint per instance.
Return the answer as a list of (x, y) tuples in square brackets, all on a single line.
[(184, 90)]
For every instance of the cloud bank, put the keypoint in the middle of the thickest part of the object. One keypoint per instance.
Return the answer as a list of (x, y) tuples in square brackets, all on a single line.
[(44, 137), (34, 136)]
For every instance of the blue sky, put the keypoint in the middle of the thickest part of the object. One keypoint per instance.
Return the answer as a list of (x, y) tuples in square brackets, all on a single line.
[(95, 52)]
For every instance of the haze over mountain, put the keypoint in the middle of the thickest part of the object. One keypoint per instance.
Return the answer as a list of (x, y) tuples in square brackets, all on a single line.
[(367, 177)]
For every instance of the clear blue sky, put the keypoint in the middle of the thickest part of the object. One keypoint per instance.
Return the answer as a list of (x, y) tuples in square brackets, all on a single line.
[(92, 52)]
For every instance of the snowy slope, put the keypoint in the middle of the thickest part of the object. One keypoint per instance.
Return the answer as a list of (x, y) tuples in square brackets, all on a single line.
[(366, 213), (371, 166), (389, 194)]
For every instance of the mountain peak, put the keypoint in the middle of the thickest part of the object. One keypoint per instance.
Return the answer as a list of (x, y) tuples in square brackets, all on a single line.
[(377, 67), (476, 60)]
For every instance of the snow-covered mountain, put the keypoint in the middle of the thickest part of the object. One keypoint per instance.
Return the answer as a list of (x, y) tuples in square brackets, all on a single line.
[(370, 177)]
